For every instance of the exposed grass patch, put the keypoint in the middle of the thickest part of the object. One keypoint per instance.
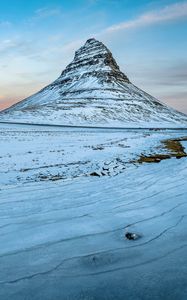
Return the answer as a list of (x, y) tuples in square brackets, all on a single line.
[(156, 158), (174, 148)]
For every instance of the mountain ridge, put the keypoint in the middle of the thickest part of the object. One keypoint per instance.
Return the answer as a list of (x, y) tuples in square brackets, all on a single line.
[(92, 90)]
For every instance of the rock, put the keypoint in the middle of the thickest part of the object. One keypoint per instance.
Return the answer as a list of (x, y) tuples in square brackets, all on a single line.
[(132, 236), (98, 148), (94, 174)]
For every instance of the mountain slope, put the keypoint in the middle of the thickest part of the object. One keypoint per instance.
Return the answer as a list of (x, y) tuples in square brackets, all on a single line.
[(93, 91)]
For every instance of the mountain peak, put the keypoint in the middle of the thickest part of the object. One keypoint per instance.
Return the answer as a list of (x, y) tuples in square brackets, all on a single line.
[(93, 43), (92, 48), (92, 40), (94, 57)]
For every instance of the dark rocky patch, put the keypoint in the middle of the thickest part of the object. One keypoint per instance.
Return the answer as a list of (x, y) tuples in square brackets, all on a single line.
[(132, 236), (95, 174)]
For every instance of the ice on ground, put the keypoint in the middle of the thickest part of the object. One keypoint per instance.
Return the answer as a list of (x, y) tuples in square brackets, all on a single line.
[(65, 239)]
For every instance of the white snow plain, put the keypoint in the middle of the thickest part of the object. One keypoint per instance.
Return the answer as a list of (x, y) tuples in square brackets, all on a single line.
[(65, 239)]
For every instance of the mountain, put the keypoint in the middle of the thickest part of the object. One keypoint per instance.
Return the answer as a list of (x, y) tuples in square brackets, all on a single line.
[(93, 91)]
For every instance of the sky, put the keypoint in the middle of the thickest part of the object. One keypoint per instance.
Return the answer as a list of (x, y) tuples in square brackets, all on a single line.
[(148, 39)]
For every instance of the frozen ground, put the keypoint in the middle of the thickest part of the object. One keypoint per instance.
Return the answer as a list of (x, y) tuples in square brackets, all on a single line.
[(62, 230)]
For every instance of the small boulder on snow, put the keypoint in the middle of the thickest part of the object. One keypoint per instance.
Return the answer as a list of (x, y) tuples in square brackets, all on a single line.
[(132, 236)]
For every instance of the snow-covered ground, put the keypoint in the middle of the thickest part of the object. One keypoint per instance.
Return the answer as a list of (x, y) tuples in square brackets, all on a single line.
[(62, 231)]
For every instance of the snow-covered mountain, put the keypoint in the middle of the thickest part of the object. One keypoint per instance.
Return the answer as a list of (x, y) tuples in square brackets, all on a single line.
[(93, 91)]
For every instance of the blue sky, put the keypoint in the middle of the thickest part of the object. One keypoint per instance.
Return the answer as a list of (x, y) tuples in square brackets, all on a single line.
[(147, 38)]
